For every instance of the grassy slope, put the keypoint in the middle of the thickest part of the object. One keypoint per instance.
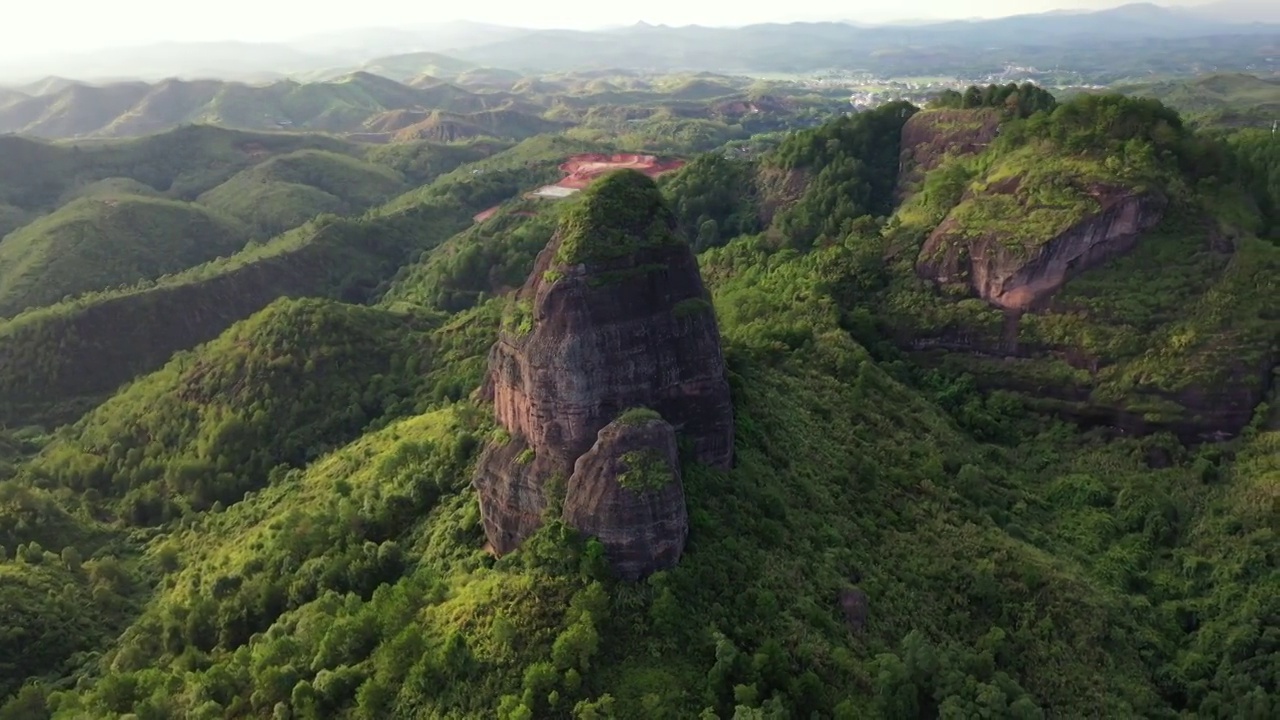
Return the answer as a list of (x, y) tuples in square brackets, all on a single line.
[(105, 241), (486, 259), (422, 162), (162, 440), (163, 446), (1031, 194)]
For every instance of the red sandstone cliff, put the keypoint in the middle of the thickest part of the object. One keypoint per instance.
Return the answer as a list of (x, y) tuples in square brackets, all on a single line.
[(626, 329), (1014, 276), (931, 136), (626, 491)]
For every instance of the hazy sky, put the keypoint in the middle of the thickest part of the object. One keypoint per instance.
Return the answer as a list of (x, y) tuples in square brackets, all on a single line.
[(37, 27)]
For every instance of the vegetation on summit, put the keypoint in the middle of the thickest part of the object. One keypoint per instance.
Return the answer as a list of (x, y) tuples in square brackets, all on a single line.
[(1014, 100), (621, 213)]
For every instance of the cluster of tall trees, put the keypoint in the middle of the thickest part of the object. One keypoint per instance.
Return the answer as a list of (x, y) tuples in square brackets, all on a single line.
[(1013, 100), (850, 168), (1258, 152)]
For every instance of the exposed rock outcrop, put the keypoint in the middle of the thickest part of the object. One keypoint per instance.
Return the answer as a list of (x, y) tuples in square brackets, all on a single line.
[(1015, 276), (931, 136), (779, 189), (613, 317), (626, 491)]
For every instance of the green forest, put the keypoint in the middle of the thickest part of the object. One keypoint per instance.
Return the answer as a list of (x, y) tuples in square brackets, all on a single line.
[(236, 456)]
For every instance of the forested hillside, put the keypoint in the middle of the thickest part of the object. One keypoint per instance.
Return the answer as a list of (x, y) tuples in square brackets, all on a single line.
[(1006, 439)]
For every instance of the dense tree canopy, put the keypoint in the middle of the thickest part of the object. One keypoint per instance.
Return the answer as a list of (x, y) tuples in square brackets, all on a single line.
[(279, 522)]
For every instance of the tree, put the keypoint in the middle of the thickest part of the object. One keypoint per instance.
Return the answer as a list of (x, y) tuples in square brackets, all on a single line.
[(373, 700), (167, 557), (708, 235), (24, 554), (30, 703), (599, 709), (71, 558), (896, 694), (575, 646)]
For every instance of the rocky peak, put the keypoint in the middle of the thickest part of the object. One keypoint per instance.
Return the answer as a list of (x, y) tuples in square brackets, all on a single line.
[(613, 317)]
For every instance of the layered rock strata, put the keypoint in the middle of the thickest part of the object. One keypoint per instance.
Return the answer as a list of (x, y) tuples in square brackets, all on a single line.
[(1016, 277), (613, 318), (626, 491)]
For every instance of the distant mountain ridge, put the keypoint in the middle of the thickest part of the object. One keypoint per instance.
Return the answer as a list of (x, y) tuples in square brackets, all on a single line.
[(761, 47)]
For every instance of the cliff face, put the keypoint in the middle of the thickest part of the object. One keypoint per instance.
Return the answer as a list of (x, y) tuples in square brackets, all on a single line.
[(613, 317), (1016, 277), (626, 491), (933, 135), (779, 190)]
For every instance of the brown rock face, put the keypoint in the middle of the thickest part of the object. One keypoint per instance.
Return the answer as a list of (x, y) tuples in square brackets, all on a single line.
[(931, 136), (511, 480), (592, 340), (779, 190), (626, 491), (1019, 278)]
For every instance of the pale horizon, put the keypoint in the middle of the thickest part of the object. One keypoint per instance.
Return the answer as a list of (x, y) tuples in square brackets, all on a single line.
[(74, 26)]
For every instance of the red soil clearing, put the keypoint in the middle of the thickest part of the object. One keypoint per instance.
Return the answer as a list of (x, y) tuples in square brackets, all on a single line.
[(481, 217), (581, 170)]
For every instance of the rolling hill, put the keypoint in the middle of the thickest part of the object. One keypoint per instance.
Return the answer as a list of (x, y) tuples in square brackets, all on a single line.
[(1227, 100), (182, 163), (135, 108), (409, 66), (8, 96), (107, 240), (445, 127), (57, 360), (84, 228), (288, 190), (363, 107)]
